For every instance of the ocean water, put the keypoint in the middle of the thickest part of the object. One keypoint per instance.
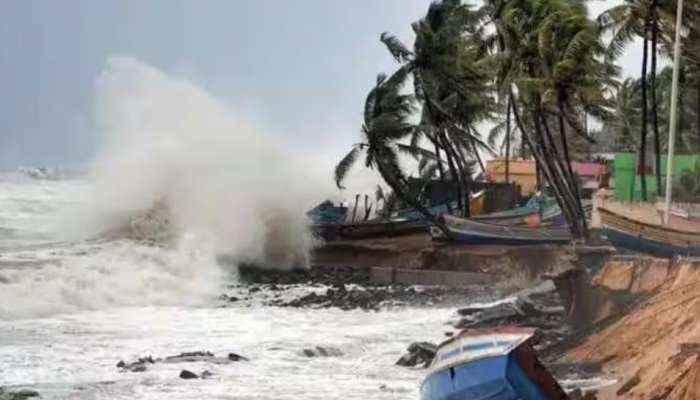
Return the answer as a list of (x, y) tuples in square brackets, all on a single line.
[(71, 309)]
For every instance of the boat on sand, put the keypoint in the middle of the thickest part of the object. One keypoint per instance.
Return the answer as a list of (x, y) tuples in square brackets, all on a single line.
[(631, 234), (490, 364)]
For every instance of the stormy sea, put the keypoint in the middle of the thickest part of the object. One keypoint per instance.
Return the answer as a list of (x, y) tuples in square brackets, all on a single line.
[(70, 310), (95, 304)]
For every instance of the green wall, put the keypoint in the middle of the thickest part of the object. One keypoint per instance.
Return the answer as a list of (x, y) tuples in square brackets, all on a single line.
[(628, 186)]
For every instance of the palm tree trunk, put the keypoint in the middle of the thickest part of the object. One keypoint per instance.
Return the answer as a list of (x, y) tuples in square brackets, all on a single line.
[(654, 106), (508, 141), (543, 155), (401, 193), (456, 178), (461, 167), (561, 174), (441, 169), (354, 209), (476, 152), (565, 147), (641, 165), (698, 115)]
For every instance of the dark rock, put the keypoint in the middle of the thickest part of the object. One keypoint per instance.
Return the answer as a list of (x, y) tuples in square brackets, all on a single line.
[(418, 353), (192, 356), (185, 374), (318, 274), (17, 394), (254, 289), (500, 314), (138, 365), (236, 357), (319, 351), (138, 368)]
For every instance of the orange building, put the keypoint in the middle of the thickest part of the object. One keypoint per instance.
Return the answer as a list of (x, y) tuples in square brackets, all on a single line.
[(522, 172)]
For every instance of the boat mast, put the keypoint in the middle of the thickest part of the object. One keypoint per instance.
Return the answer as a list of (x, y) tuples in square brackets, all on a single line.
[(674, 105)]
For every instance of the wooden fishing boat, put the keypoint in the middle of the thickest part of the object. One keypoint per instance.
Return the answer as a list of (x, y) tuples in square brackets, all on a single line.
[(631, 234), (682, 216), (490, 364), (523, 215), (479, 233), (369, 229), (476, 205)]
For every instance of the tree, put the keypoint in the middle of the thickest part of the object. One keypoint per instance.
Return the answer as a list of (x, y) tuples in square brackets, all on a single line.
[(654, 22), (451, 86), (386, 121), (551, 68)]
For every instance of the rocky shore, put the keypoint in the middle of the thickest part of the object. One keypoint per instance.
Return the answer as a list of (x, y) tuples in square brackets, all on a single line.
[(540, 306), (345, 288)]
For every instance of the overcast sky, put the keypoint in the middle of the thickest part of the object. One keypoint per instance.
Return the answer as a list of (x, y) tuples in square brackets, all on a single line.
[(297, 68)]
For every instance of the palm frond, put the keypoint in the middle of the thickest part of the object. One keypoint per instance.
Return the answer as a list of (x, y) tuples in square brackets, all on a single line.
[(343, 167), (397, 49)]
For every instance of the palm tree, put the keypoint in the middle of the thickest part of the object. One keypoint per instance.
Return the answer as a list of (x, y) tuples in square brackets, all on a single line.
[(451, 87), (551, 68), (627, 110), (654, 22), (386, 121), (627, 21)]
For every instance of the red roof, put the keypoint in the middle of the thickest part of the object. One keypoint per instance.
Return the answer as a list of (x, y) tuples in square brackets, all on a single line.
[(588, 169)]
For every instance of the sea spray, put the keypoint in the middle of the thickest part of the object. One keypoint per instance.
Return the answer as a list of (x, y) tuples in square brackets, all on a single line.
[(230, 189), (165, 139)]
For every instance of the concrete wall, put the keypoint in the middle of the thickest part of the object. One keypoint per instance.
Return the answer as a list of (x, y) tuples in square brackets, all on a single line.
[(388, 276)]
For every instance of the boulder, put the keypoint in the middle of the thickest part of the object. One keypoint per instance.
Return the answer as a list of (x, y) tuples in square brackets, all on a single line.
[(18, 394), (139, 365), (418, 353), (236, 357), (185, 374), (319, 351)]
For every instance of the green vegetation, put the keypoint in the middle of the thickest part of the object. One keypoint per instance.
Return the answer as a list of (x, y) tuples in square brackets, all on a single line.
[(535, 73)]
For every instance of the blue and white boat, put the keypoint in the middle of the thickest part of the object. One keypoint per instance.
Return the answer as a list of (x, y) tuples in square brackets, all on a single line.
[(490, 364)]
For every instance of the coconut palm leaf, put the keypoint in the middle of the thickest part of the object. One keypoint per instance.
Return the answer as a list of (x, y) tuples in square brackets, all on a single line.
[(341, 170)]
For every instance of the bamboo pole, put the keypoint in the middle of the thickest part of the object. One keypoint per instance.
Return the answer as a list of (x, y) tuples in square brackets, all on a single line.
[(674, 106)]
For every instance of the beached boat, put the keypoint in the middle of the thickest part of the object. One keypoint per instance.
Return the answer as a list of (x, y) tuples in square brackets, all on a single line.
[(368, 230), (682, 216), (493, 364), (523, 215), (467, 231), (631, 234), (476, 205)]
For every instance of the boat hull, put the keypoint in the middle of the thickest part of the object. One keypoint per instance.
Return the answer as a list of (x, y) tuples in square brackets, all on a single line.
[(490, 364), (368, 230), (629, 234), (495, 378), (470, 232), (623, 240)]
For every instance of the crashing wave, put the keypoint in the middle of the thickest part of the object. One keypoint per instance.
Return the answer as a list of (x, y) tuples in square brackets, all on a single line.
[(153, 225)]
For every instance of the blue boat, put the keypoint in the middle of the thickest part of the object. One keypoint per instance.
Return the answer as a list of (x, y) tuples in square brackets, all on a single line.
[(471, 232), (492, 364), (630, 234)]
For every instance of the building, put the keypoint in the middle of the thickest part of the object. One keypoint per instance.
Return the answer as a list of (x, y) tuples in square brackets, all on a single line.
[(628, 183), (590, 175), (521, 172)]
